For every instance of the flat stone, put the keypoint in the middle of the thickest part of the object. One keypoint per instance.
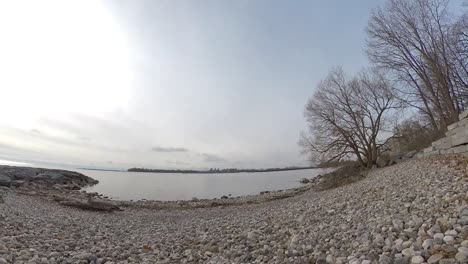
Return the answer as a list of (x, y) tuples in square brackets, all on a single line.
[(434, 258), (417, 260), (402, 260), (408, 252)]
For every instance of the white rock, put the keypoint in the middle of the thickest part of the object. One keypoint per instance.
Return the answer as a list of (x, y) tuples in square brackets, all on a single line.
[(408, 252), (451, 233), (417, 260), (427, 244), (463, 250), (438, 238), (449, 240), (434, 258)]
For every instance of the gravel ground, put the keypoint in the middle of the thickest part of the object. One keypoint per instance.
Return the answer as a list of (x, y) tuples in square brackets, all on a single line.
[(413, 212)]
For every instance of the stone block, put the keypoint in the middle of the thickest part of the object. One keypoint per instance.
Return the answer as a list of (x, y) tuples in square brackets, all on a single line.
[(432, 153), (443, 143), (428, 150), (450, 133), (459, 149), (463, 122), (459, 140), (463, 115), (452, 126), (460, 130)]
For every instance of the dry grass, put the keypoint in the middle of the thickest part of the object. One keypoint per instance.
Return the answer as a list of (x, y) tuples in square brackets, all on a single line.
[(342, 176)]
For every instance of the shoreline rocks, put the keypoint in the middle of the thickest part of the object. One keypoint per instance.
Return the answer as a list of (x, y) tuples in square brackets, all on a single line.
[(412, 212), (20, 176)]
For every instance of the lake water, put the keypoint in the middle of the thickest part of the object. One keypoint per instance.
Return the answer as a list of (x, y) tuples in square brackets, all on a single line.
[(175, 186)]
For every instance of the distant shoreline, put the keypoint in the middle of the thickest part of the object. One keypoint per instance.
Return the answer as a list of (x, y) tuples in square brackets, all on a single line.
[(219, 171), (93, 169)]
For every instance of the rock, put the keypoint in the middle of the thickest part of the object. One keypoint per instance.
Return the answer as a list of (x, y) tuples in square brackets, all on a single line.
[(304, 181), (384, 259), (17, 176), (407, 244), (212, 249), (90, 204), (451, 233), (449, 240), (464, 232), (461, 258), (402, 260), (408, 252), (18, 183), (449, 249), (438, 238), (86, 256), (5, 180), (251, 235), (447, 261), (398, 224), (417, 260), (3, 261), (427, 244), (434, 258), (463, 250), (463, 221), (321, 260)]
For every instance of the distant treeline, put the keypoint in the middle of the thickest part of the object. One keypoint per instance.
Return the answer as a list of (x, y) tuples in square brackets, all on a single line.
[(232, 170)]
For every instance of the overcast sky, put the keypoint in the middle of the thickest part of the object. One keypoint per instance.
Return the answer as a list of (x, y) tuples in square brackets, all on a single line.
[(168, 84)]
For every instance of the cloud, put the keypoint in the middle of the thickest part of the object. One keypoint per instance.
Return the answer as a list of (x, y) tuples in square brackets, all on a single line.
[(83, 138), (212, 158), (177, 163), (168, 149)]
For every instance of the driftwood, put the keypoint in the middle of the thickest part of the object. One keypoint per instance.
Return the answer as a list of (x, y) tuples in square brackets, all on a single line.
[(89, 204)]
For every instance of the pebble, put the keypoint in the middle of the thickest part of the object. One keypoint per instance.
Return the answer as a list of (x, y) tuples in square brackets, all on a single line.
[(434, 258), (449, 240), (417, 260)]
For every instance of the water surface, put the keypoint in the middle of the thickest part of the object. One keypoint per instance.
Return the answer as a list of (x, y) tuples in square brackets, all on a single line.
[(177, 186)]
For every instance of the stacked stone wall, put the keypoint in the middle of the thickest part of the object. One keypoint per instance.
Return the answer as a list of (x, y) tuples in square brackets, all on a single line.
[(454, 142)]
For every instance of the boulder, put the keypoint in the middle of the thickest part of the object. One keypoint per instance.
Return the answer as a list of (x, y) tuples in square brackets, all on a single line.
[(89, 204), (16, 176), (5, 180)]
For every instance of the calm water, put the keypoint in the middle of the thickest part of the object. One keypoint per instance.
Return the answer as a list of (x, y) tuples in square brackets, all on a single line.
[(163, 186)]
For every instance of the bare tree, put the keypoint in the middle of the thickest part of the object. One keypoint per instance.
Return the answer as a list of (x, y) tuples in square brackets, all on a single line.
[(459, 57), (346, 118), (415, 42)]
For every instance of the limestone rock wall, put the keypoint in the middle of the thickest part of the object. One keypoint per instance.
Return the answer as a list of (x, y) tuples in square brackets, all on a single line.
[(455, 140)]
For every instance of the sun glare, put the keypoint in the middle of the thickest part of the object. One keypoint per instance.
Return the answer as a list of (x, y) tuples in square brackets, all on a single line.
[(59, 57)]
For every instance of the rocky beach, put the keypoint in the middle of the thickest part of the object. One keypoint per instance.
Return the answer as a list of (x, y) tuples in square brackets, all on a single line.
[(412, 212)]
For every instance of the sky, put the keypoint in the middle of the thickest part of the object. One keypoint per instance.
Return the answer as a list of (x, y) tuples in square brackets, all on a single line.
[(168, 83)]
